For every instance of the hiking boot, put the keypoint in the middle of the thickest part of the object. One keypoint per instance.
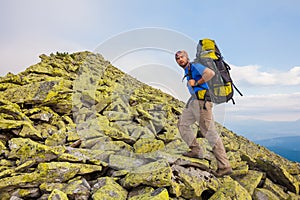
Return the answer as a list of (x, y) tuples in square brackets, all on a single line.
[(195, 150), (223, 172), (194, 153)]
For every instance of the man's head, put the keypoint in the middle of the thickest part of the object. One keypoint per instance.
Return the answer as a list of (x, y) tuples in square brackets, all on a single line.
[(182, 58)]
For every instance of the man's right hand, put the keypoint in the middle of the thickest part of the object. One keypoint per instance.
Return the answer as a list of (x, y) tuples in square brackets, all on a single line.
[(192, 82)]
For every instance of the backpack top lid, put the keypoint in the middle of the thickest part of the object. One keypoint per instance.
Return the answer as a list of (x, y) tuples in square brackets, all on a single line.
[(207, 48)]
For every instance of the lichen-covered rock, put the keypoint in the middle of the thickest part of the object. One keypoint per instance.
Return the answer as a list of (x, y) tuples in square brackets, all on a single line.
[(108, 188), (26, 179), (231, 189), (57, 195), (64, 171), (275, 189), (11, 124), (116, 146), (280, 174), (74, 127), (156, 174), (263, 194), (48, 172), (17, 169), (41, 92), (147, 145), (25, 149), (29, 131), (251, 180), (48, 187), (158, 194), (97, 157), (193, 181), (26, 193), (293, 196), (120, 162), (77, 189)]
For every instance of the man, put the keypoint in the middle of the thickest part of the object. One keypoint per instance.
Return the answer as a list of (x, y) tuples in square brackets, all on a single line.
[(200, 110)]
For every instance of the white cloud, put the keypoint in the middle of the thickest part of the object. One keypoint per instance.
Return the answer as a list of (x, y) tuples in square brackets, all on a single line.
[(253, 75)]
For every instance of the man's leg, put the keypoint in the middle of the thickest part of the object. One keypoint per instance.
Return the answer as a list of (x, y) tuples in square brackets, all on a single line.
[(207, 126), (224, 167), (206, 123), (184, 125)]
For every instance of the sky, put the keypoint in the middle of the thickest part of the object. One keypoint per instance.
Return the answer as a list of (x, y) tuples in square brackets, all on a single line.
[(259, 39)]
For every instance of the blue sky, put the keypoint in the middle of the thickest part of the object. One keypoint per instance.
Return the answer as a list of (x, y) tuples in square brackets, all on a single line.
[(259, 39)]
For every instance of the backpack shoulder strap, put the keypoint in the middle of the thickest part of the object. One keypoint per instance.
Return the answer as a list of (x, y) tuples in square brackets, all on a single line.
[(190, 71), (189, 74)]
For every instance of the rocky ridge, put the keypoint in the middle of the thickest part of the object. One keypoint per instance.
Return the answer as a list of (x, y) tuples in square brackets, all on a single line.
[(74, 127)]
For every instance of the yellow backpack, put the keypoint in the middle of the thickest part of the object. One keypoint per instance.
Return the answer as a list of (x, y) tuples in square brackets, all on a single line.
[(221, 85)]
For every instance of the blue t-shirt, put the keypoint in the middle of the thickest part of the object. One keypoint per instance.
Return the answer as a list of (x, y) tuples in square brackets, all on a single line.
[(197, 72)]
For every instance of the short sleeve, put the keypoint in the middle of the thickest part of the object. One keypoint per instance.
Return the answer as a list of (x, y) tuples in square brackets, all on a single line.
[(200, 68)]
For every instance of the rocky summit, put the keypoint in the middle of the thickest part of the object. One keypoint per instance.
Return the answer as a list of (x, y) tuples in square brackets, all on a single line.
[(75, 127)]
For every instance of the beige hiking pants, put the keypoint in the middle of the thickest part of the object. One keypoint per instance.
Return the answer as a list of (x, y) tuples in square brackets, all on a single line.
[(196, 112)]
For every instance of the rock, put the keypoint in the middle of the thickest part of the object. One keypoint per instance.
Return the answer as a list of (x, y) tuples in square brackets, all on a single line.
[(75, 127), (263, 194), (26, 179), (27, 193), (147, 145), (156, 174), (97, 157), (64, 171), (293, 196), (49, 187), (279, 174), (57, 195), (25, 149), (193, 182), (77, 189), (119, 162), (251, 180), (275, 189), (158, 194), (108, 188), (19, 168), (231, 189)]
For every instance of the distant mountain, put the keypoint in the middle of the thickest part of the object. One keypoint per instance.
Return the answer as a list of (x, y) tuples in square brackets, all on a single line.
[(260, 130), (287, 147)]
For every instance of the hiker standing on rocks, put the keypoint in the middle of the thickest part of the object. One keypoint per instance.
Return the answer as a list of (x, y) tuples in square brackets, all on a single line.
[(200, 111)]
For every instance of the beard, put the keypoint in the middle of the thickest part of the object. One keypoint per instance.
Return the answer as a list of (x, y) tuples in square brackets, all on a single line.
[(183, 64)]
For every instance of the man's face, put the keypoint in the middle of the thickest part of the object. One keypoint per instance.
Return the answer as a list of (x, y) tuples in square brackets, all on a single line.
[(181, 60)]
